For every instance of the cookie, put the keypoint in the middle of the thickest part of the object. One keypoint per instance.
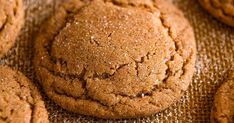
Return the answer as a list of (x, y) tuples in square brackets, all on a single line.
[(223, 10), (11, 21), (20, 101), (115, 58), (223, 108)]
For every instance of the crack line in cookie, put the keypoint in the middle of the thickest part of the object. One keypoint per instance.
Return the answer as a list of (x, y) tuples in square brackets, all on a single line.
[(4, 24)]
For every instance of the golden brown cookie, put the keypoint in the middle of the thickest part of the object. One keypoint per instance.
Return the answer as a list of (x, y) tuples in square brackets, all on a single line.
[(11, 21), (115, 58), (20, 101), (221, 9), (223, 109)]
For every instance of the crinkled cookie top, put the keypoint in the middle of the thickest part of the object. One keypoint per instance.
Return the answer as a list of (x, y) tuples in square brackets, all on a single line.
[(223, 109), (20, 101), (115, 58), (11, 21)]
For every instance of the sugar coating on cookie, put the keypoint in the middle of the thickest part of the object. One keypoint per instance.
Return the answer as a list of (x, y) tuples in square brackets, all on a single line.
[(115, 58), (223, 108), (20, 101), (221, 9), (11, 21)]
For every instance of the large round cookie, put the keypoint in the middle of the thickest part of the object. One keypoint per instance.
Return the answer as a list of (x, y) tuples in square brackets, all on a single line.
[(11, 21), (115, 58), (221, 9), (20, 101), (223, 109)]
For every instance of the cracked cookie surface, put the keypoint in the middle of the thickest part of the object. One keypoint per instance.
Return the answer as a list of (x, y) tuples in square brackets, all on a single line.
[(221, 9), (223, 108), (115, 58), (11, 21), (20, 101)]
